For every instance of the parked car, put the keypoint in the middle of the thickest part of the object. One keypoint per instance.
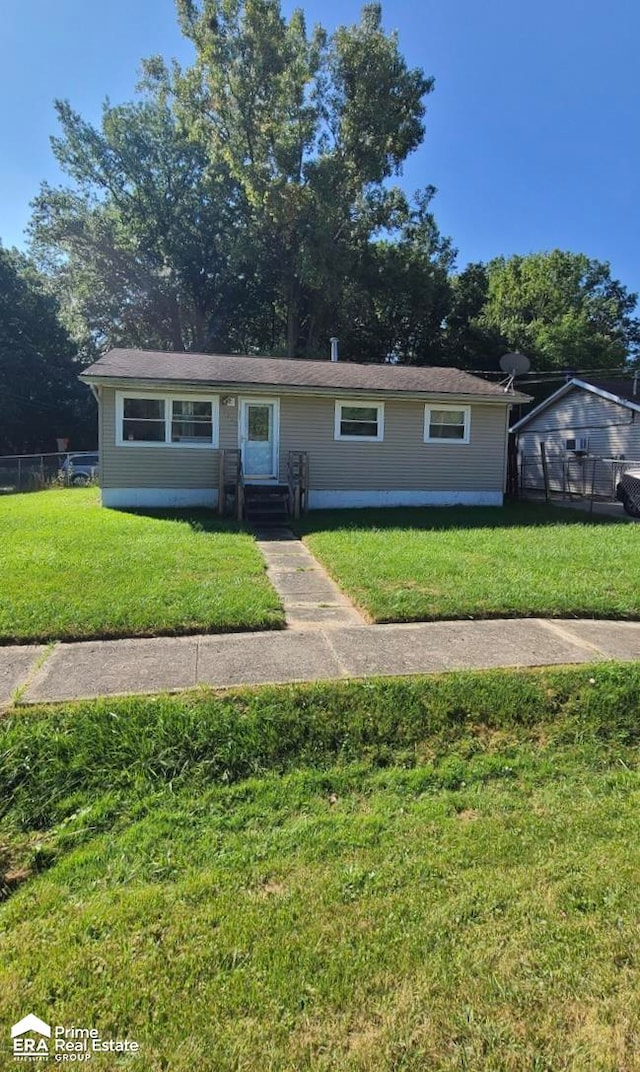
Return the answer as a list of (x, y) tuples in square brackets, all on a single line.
[(628, 492), (79, 469)]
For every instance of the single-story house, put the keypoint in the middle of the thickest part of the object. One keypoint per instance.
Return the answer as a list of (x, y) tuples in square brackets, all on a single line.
[(372, 435), (583, 420)]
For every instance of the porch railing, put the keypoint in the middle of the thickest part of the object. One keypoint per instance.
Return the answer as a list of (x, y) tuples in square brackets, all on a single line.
[(230, 482), (298, 481)]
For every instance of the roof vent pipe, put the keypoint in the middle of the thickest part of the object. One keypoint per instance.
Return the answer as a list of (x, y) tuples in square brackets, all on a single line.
[(334, 348), (635, 382)]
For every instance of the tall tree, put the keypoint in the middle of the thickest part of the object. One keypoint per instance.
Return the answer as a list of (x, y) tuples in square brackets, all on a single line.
[(244, 203), (466, 343), (40, 396), (310, 128)]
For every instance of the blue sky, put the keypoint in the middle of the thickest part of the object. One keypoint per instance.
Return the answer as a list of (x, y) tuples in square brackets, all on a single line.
[(531, 131)]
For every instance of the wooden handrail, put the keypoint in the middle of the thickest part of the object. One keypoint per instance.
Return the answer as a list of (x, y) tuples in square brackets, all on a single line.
[(298, 481), (230, 474)]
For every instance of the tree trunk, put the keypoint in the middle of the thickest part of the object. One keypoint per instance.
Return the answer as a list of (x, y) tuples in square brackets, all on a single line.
[(175, 322), (293, 317), (311, 347)]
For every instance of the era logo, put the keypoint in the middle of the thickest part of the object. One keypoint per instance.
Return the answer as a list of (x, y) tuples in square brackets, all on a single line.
[(30, 1048)]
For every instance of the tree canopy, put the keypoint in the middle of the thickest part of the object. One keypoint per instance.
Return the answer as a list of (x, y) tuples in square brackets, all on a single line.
[(564, 310), (234, 205), (147, 246), (310, 126), (40, 396), (249, 203)]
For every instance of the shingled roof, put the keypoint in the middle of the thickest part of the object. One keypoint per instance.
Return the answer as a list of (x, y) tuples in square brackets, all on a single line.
[(231, 371)]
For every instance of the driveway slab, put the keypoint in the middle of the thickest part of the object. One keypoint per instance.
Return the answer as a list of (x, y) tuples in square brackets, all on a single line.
[(114, 667), (265, 658), (606, 509), (15, 666)]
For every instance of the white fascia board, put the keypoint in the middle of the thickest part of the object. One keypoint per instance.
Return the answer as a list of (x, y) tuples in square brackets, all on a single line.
[(607, 394), (566, 387)]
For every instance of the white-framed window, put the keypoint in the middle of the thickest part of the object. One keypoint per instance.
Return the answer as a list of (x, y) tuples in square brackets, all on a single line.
[(446, 423), (360, 421), (153, 420)]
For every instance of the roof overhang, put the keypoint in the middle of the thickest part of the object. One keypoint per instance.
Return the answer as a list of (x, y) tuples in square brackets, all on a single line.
[(241, 388)]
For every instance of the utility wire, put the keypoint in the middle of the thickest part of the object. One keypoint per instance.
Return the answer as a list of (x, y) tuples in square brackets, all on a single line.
[(548, 376)]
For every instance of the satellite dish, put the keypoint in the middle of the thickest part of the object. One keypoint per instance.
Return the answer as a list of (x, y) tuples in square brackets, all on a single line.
[(515, 364)]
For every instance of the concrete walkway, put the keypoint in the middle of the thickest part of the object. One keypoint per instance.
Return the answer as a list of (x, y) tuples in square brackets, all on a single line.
[(603, 509), (38, 674), (309, 597)]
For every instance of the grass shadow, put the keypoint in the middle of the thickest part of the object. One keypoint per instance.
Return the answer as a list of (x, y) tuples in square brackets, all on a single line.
[(200, 518), (446, 518)]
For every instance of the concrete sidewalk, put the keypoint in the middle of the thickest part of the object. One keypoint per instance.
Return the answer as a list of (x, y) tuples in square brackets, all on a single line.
[(38, 674)]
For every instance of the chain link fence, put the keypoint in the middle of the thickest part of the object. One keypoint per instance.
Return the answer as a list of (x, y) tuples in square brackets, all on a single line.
[(33, 472), (556, 475)]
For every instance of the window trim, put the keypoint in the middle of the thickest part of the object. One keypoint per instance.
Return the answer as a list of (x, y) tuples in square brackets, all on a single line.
[(337, 435), (449, 406), (168, 400)]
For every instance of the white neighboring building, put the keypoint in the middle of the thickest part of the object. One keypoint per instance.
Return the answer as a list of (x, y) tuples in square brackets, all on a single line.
[(582, 420)]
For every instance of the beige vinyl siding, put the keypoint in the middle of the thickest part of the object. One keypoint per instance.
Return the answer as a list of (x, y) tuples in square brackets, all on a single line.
[(160, 467), (403, 461), (612, 429)]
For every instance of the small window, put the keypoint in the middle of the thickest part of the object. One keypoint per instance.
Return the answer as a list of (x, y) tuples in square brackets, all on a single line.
[(191, 422), (577, 444), (356, 420), (447, 424), (143, 420)]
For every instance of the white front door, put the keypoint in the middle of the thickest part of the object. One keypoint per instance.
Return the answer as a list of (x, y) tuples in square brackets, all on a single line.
[(259, 438)]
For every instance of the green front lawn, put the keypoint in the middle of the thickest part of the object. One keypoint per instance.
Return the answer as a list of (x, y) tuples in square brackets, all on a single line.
[(72, 570), (415, 875), (518, 560)]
